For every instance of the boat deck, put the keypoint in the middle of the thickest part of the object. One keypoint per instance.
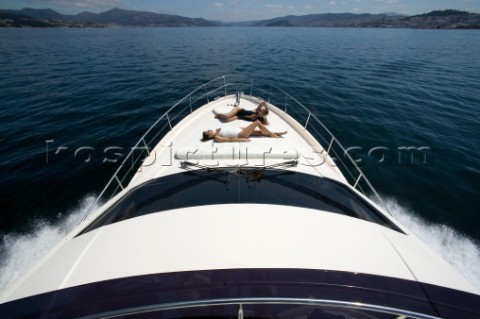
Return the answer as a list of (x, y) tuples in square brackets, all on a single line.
[(184, 143)]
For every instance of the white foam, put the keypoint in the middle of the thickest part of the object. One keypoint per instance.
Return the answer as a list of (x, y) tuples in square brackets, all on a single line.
[(462, 252), (18, 253)]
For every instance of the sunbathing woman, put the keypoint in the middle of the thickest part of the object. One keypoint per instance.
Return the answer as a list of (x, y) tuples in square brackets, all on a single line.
[(238, 113), (238, 134)]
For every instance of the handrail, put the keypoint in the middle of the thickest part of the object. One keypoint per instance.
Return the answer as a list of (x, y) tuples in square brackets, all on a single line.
[(361, 175), (240, 302), (144, 144), (142, 139)]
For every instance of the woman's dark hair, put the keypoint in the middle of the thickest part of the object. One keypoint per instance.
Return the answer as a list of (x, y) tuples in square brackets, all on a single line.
[(262, 106), (205, 136)]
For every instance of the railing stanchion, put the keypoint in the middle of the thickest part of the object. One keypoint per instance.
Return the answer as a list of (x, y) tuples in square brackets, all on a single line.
[(168, 119), (330, 145), (251, 85), (308, 119), (358, 180), (285, 109), (269, 92), (206, 94), (119, 182), (146, 146)]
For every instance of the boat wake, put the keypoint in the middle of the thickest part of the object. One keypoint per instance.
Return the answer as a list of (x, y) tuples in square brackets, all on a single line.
[(462, 252), (18, 253)]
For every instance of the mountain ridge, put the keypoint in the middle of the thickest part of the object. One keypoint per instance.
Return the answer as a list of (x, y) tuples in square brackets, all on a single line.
[(116, 17), (326, 20), (438, 19), (110, 18)]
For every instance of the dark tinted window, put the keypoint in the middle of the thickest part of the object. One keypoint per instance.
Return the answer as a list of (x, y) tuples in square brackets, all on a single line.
[(209, 187)]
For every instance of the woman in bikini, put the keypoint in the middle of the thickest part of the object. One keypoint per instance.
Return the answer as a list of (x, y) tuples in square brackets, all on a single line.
[(238, 134), (238, 113)]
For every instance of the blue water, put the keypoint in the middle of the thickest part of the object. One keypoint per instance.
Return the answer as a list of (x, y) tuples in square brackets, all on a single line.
[(69, 89)]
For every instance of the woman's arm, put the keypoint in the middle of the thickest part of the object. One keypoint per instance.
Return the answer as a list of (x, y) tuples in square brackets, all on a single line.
[(262, 119)]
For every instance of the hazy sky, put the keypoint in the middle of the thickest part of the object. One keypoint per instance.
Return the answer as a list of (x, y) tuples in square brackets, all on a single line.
[(240, 10)]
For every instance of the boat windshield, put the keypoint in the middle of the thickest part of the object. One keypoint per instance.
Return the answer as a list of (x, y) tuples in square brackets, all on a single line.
[(246, 186)]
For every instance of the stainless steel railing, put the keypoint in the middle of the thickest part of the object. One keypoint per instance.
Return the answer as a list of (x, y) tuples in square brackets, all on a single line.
[(221, 87), (241, 304), (335, 149)]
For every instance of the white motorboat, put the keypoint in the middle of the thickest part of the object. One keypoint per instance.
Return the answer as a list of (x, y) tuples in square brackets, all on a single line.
[(274, 228)]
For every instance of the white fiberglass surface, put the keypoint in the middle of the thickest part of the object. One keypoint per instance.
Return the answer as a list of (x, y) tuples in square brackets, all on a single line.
[(233, 236)]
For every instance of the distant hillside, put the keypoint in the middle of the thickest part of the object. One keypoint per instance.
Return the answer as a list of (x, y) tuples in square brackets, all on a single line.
[(9, 19), (141, 18), (114, 17), (443, 13), (328, 20), (445, 19), (17, 20), (41, 13)]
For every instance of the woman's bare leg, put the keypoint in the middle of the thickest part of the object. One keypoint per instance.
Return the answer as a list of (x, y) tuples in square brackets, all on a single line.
[(262, 130), (233, 112), (230, 119), (260, 133), (247, 131)]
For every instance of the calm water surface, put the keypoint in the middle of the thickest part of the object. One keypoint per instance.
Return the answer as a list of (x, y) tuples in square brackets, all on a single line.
[(372, 87)]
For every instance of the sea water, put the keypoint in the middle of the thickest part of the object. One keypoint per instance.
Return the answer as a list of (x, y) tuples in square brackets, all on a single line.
[(380, 91)]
